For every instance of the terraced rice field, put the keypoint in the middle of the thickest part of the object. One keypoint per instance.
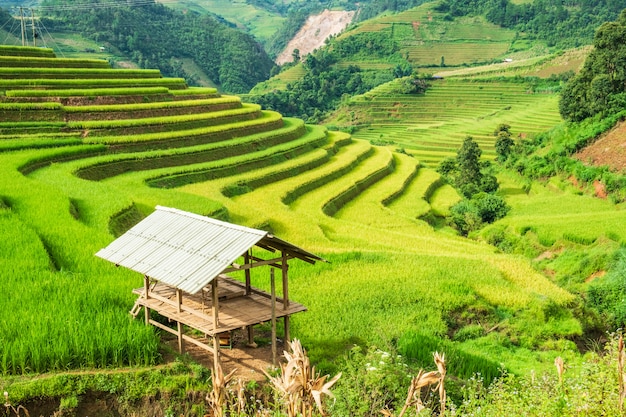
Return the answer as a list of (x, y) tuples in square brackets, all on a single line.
[(432, 126), (79, 165), (425, 37)]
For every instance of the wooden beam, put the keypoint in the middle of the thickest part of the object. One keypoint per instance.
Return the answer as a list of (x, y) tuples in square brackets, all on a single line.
[(179, 299), (258, 262), (183, 307)]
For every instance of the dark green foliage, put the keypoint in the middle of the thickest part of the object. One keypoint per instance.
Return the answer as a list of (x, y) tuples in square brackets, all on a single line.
[(375, 7), (470, 214), (600, 87), (322, 87), (474, 180), (608, 294), (468, 166), (413, 85), (158, 37), (563, 24)]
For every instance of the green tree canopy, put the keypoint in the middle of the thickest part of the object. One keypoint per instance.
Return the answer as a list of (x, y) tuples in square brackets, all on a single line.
[(600, 87)]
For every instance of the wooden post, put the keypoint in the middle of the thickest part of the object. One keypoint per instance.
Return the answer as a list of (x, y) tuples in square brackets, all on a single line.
[(251, 342), (146, 295), (181, 343), (179, 299), (214, 296), (246, 258), (216, 352), (285, 268), (216, 323), (273, 317), (287, 332)]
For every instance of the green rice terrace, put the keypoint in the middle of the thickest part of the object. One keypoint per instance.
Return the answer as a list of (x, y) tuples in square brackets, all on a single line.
[(432, 126), (86, 151)]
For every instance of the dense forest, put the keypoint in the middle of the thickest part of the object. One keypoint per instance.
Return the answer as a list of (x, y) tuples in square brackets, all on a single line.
[(564, 24), (155, 36)]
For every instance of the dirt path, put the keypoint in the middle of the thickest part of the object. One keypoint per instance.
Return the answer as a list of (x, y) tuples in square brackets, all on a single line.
[(315, 32)]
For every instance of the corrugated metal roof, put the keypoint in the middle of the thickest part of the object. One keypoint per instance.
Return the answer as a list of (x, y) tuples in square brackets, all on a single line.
[(186, 250)]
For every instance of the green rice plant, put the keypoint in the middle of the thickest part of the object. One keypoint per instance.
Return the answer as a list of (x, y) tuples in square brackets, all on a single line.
[(90, 83), (420, 347), (336, 203), (89, 92), (47, 62), (208, 102), (119, 164), (260, 162), (14, 50), (30, 106), (177, 122), (195, 91), (77, 73), (187, 138)]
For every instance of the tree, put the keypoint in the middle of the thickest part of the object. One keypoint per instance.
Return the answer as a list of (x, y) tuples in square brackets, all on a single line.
[(468, 162), (295, 55), (600, 86), (504, 143)]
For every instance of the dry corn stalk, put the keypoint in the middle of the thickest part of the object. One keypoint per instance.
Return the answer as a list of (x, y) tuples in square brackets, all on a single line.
[(422, 380), (560, 368), (10, 408), (218, 396), (299, 385)]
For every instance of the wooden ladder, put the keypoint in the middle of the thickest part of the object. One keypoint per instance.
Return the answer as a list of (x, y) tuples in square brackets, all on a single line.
[(136, 308)]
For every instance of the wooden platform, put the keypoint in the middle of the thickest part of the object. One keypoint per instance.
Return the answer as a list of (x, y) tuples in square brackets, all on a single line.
[(236, 309)]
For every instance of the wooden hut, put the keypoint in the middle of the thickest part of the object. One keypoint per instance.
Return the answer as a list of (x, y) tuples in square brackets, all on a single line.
[(186, 260)]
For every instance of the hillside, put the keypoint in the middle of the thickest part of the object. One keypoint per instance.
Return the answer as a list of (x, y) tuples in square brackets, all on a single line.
[(609, 150), (87, 150), (195, 47), (314, 33), (115, 157)]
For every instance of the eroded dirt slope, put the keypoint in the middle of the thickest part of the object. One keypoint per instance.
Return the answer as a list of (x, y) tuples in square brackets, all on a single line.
[(608, 150), (314, 32)]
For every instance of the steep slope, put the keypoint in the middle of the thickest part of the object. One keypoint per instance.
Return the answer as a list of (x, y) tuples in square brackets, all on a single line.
[(314, 33)]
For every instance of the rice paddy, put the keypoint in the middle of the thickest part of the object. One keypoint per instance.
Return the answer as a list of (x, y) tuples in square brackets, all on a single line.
[(353, 203)]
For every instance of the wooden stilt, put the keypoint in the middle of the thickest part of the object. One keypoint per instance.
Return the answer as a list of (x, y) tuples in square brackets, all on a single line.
[(146, 295), (216, 353), (287, 331), (273, 317), (181, 343), (285, 268), (247, 274), (215, 297), (251, 342), (179, 304)]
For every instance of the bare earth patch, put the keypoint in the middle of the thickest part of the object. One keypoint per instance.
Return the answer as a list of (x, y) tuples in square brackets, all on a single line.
[(249, 362), (609, 150), (315, 32)]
